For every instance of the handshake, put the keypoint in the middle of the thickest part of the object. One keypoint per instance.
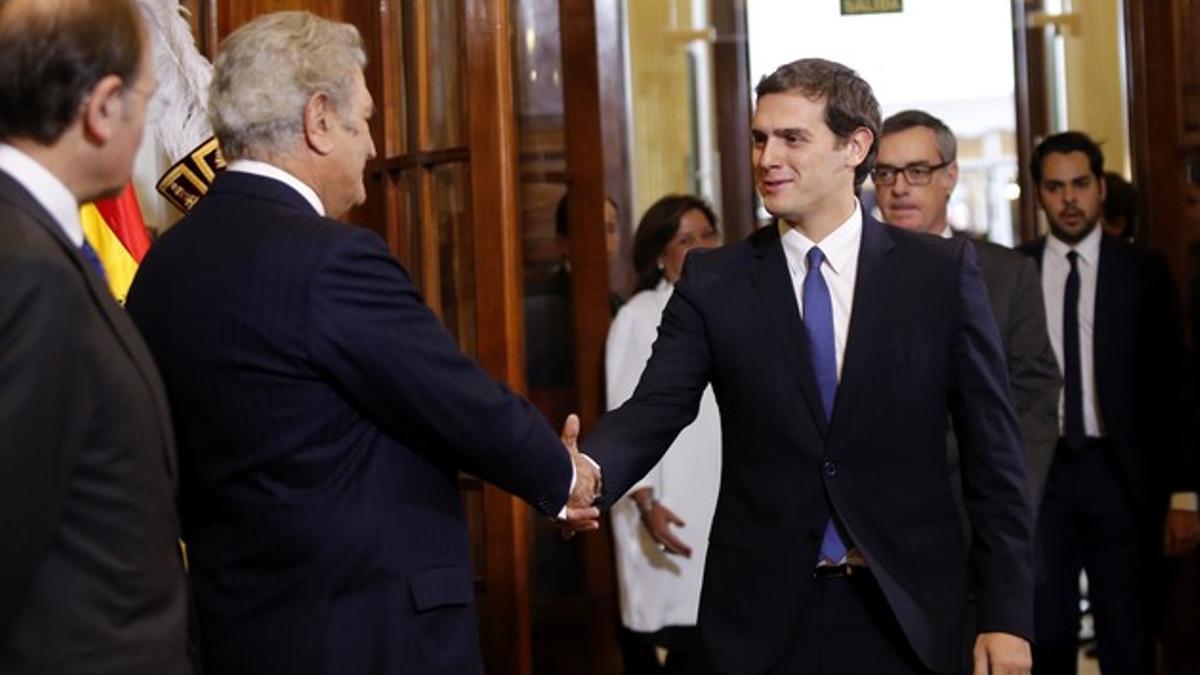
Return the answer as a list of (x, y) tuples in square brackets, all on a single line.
[(580, 515)]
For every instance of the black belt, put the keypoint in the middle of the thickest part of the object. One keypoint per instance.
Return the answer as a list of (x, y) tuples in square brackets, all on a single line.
[(841, 571)]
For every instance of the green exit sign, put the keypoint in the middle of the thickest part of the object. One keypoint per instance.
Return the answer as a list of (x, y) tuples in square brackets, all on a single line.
[(872, 6)]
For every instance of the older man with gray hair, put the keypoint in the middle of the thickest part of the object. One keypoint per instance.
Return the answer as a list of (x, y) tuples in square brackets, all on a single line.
[(323, 412)]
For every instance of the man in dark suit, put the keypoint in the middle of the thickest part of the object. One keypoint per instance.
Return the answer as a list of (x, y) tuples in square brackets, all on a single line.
[(1124, 479), (915, 173), (323, 413), (839, 350), (91, 576)]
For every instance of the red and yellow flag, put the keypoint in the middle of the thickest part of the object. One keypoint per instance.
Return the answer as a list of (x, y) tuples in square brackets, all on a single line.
[(115, 228)]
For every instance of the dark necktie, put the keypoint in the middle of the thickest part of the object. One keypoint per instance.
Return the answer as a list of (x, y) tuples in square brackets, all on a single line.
[(1072, 371), (90, 254), (818, 324)]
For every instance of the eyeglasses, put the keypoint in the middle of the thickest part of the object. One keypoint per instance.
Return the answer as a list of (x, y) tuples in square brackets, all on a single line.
[(914, 174)]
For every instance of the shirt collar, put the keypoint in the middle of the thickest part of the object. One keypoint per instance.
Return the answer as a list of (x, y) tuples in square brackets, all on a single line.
[(840, 246), (47, 190), (271, 171), (1088, 248)]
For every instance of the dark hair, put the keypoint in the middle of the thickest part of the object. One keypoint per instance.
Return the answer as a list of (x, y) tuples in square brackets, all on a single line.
[(1065, 143), (911, 119), (849, 101), (561, 213), (52, 56), (1120, 201), (656, 229)]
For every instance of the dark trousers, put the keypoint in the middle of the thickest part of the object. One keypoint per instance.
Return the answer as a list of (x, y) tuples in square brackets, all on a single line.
[(1088, 522), (850, 630)]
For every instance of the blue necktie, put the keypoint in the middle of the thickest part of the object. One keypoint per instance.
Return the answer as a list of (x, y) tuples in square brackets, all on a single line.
[(1072, 366), (90, 253), (818, 324)]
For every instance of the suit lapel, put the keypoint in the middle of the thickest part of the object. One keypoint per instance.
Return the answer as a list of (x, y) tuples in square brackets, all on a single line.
[(113, 314), (773, 283), (871, 293)]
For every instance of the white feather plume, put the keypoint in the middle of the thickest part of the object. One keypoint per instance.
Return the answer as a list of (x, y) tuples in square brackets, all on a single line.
[(183, 76)]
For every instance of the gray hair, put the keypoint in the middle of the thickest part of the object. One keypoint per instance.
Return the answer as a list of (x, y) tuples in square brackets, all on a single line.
[(266, 72), (947, 145)]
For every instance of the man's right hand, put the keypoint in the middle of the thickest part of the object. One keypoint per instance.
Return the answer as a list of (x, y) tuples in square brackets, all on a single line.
[(580, 514)]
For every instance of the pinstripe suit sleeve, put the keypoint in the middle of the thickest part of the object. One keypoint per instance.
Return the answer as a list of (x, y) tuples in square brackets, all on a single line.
[(374, 336)]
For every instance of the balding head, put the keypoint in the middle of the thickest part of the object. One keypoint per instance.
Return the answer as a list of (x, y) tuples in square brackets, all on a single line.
[(53, 52)]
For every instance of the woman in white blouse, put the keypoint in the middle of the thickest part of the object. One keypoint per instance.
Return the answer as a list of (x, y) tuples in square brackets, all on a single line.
[(661, 526)]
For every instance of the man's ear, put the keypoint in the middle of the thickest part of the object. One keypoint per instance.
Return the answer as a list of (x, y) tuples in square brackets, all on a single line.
[(858, 146), (952, 174), (102, 110), (319, 118)]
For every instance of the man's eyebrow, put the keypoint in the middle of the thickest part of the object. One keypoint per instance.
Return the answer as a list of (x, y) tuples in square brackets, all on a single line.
[(792, 131)]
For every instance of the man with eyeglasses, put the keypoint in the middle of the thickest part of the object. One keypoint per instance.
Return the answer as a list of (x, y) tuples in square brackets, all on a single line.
[(915, 174)]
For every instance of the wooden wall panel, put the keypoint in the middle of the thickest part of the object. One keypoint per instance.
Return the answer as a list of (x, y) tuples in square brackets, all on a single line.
[(731, 72), (505, 602)]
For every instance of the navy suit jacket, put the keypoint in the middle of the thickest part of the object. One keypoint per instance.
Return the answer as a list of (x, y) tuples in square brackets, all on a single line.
[(1142, 377), (922, 349), (323, 414)]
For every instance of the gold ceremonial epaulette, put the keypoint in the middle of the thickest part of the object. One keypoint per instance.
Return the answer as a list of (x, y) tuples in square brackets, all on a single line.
[(188, 179)]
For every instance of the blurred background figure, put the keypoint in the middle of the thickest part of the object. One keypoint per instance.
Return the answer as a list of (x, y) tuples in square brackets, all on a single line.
[(661, 526), (1120, 207)]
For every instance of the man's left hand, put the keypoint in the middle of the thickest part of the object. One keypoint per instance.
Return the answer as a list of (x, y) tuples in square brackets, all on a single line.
[(1001, 654), (1182, 532)]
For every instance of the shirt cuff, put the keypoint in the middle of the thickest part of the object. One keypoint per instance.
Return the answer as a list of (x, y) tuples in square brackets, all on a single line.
[(562, 513), (1184, 501)]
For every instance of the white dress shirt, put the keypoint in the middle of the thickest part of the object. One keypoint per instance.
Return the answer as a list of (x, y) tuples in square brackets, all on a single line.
[(840, 270), (46, 189), (265, 170), (1055, 268)]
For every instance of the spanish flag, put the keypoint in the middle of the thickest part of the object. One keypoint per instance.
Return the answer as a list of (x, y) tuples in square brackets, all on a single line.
[(115, 228)]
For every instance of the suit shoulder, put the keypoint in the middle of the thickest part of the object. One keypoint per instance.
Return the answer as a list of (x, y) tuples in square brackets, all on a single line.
[(991, 253), (709, 265), (924, 246), (1034, 248)]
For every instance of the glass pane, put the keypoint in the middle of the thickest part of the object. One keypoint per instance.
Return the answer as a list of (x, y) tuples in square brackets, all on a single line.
[(536, 64), (405, 221), (456, 250), (446, 80), (395, 108)]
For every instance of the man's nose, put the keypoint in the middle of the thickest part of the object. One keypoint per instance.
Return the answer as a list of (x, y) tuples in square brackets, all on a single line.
[(768, 156)]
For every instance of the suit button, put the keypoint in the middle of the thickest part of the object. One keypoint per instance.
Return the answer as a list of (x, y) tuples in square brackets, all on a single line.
[(830, 468)]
